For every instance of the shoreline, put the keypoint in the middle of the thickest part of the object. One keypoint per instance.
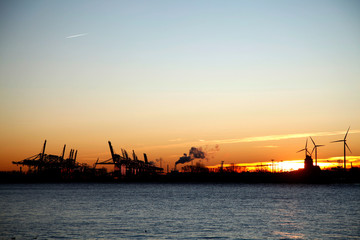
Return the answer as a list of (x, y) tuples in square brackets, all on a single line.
[(299, 176)]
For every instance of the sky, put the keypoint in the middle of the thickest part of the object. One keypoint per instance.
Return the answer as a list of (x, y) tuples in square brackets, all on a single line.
[(163, 76)]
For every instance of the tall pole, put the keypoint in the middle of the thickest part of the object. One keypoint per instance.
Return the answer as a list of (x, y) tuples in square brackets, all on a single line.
[(43, 151), (345, 154), (315, 156), (134, 155), (111, 150), (145, 158), (345, 146), (63, 153)]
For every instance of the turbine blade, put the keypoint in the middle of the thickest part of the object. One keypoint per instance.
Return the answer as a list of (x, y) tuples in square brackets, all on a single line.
[(306, 144), (320, 145), (301, 150), (313, 141), (337, 141), (348, 147), (313, 150), (347, 133)]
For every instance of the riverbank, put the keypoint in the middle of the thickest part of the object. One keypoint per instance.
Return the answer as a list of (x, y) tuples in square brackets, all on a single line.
[(299, 176)]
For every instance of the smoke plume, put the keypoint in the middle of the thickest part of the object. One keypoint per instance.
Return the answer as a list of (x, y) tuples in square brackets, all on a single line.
[(211, 151), (193, 153)]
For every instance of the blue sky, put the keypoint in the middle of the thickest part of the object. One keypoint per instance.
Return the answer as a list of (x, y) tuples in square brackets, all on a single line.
[(285, 39)]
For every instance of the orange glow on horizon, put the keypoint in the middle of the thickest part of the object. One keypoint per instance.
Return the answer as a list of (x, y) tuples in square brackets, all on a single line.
[(290, 165)]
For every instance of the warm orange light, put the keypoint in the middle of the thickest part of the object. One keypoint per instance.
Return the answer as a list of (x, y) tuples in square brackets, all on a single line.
[(287, 166)]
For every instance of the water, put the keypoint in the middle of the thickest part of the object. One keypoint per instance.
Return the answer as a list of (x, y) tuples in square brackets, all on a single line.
[(179, 211)]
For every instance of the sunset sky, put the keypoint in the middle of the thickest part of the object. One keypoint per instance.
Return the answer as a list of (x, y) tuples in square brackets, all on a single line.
[(247, 81)]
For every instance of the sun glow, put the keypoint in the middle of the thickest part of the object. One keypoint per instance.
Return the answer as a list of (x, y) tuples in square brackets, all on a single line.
[(292, 165), (287, 166), (282, 166)]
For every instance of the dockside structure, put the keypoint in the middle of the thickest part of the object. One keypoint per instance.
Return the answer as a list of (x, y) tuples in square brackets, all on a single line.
[(124, 166), (52, 164)]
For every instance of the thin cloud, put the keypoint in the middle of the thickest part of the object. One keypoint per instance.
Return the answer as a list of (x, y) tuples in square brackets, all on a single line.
[(175, 140), (341, 158), (252, 139), (77, 35), (282, 137)]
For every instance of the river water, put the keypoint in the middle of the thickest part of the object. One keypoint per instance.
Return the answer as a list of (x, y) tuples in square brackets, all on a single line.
[(179, 211)]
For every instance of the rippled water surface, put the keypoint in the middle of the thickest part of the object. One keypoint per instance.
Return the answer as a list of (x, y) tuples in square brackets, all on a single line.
[(179, 211)]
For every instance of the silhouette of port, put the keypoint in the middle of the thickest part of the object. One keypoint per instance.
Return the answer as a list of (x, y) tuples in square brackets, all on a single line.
[(44, 167)]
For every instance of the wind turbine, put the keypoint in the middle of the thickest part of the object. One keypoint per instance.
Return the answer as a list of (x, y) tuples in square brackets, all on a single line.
[(345, 146), (305, 149), (315, 148)]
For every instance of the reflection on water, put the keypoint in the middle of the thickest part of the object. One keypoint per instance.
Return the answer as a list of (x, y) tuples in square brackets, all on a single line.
[(287, 235), (179, 211)]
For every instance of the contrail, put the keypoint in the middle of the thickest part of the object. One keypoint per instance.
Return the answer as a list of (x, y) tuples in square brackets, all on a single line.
[(77, 35)]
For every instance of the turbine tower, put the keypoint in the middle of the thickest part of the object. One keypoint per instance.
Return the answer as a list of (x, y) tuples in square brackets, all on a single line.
[(305, 149), (345, 146), (315, 148)]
